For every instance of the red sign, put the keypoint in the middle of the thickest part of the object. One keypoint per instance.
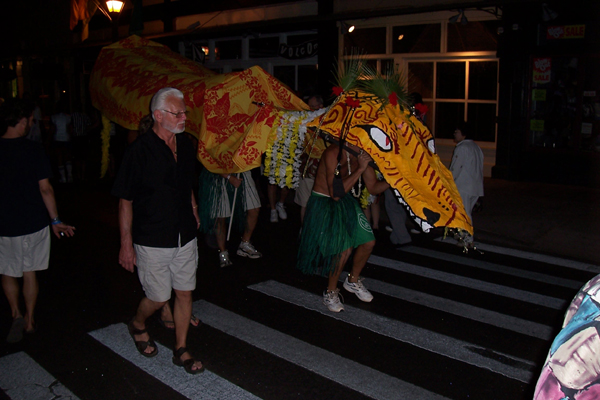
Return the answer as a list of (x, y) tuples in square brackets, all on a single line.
[(542, 68), (566, 32)]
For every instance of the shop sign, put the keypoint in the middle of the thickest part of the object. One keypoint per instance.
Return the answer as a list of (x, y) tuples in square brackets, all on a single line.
[(541, 69), (304, 50), (538, 95), (536, 125), (566, 32)]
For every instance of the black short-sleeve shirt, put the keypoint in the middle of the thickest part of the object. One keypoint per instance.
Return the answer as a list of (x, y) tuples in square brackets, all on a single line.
[(160, 189), (23, 164)]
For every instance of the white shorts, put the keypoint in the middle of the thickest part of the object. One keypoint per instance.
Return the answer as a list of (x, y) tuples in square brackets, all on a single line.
[(25, 253), (303, 191), (251, 194), (161, 269)]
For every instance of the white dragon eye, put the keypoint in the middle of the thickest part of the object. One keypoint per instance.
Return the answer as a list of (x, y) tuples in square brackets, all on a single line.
[(431, 145), (380, 138)]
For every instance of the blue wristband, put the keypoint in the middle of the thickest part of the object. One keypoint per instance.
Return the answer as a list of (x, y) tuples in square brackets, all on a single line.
[(56, 221)]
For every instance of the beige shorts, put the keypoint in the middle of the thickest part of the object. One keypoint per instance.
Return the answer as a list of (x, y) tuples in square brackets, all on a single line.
[(252, 199), (161, 269), (25, 253), (303, 191)]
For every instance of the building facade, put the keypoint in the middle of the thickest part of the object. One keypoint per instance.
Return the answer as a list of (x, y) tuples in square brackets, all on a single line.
[(522, 73)]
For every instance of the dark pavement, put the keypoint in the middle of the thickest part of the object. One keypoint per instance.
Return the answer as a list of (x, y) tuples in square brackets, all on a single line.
[(557, 220), (86, 290)]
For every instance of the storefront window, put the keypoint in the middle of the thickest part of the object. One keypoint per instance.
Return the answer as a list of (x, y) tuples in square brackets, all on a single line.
[(565, 103), (473, 36), (369, 40), (450, 80), (416, 39), (264, 47), (449, 104), (228, 50), (420, 78), (483, 80), (554, 91), (447, 118)]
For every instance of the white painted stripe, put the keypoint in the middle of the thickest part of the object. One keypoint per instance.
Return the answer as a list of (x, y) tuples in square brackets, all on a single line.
[(500, 290), (488, 266), (419, 337), (478, 314), (206, 385), (562, 262), (24, 379), (329, 365)]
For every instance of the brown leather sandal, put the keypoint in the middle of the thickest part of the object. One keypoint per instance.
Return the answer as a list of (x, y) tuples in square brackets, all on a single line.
[(141, 345), (188, 364)]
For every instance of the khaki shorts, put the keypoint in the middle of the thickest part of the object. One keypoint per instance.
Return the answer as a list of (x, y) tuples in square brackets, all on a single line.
[(303, 191), (161, 269), (252, 199), (25, 253)]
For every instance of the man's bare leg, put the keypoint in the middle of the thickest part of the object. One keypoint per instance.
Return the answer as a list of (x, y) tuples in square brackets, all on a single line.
[(10, 285), (166, 315), (182, 314), (272, 194), (146, 308), (30, 293), (360, 260), (335, 275), (283, 195), (220, 234), (251, 220)]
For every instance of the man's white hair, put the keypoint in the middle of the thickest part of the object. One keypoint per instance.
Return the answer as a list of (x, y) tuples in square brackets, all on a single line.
[(160, 98)]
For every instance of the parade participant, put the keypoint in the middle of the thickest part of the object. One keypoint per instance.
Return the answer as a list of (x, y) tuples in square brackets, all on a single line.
[(467, 170), (227, 196), (61, 122), (335, 225), (277, 207), (309, 167), (158, 221), (27, 204)]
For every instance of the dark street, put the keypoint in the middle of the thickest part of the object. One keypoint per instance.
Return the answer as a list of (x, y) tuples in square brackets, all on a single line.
[(443, 324)]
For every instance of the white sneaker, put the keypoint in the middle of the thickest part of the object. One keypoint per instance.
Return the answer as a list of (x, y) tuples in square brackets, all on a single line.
[(224, 260), (247, 250), (274, 217), (358, 289), (332, 300), (281, 210), (388, 228)]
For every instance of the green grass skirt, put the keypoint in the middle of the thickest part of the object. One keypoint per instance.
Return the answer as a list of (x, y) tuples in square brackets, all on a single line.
[(329, 228), (210, 196)]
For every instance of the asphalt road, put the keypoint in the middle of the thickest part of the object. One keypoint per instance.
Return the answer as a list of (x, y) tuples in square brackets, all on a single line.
[(443, 324)]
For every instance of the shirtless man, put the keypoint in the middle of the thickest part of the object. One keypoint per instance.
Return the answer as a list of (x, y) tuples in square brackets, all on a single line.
[(335, 225)]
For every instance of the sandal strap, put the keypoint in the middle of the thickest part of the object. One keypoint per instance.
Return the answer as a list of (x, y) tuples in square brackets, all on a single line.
[(180, 351), (136, 331)]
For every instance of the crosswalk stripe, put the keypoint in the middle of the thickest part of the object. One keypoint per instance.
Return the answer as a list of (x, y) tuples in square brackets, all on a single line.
[(562, 262), (500, 290), (419, 337), (488, 266), (24, 379), (346, 372), (479, 314), (207, 385)]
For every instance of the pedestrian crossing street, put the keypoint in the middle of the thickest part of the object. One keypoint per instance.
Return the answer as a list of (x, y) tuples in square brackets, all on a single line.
[(443, 325)]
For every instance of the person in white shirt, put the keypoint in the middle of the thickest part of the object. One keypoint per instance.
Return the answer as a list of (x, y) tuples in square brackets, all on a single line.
[(467, 169), (62, 142)]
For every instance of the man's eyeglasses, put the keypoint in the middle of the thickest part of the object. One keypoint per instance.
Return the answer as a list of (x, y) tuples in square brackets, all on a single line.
[(178, 115)]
